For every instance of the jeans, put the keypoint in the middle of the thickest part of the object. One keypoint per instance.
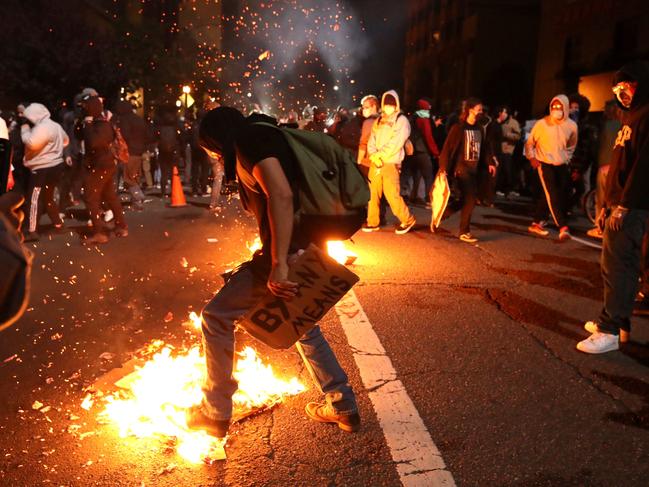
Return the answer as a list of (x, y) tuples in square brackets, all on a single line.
[(467, 178), (423, 168), (99, 188), (621, 266), (132, 175), (240, 293), (217, 175)]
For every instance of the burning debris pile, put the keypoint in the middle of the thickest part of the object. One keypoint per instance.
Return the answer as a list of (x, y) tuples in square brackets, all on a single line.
[(152, 400)]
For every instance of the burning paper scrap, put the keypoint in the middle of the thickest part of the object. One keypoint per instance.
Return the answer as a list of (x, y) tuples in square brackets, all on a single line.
[(337, 250), (194, 321), (158, 393), (37, 405), (255, 245), (264, 55), (183, 262), (87, 402)]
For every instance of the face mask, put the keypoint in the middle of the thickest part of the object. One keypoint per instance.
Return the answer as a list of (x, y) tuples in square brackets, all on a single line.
[(389, 110), (574, 115), (557, 114), (367, 112), (624, 92)]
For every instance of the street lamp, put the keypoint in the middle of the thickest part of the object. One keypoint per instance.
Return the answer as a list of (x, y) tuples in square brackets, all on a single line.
[(186, 90)]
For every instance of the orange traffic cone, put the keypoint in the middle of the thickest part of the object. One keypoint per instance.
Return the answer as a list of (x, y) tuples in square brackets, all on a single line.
[(177, 195)]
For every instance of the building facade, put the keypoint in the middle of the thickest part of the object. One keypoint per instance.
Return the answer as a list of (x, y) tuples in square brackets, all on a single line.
[(461, 48), (583, 42)]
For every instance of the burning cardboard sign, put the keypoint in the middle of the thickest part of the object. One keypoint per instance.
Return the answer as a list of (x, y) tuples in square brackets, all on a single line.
[(322, 283)]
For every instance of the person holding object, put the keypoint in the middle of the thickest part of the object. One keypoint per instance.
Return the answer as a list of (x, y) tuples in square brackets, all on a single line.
[(463, 152), (385, 149), (625, 214), (549, 149), (268, 177)]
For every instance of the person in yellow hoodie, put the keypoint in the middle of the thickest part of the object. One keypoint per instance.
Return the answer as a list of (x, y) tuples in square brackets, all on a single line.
[(385, 149), (549, 149)]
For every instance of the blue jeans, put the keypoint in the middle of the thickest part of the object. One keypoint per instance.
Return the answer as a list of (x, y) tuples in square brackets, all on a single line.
[(621, 254), (240, 293)]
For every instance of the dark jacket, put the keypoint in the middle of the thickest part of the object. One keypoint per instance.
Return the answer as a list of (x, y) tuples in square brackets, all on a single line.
[(465, 145), (133, 128), (628, 177), (97, 135)]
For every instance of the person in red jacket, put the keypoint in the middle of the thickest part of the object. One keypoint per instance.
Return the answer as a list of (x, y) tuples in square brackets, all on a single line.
[(426, 149)]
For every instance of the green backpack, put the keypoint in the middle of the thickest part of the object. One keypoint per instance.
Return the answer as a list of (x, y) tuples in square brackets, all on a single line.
[(333, 193)]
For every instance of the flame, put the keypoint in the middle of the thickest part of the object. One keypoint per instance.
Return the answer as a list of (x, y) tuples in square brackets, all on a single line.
[(195, 320), (255, 245), (337, 250), (264, 55), (156, 396)]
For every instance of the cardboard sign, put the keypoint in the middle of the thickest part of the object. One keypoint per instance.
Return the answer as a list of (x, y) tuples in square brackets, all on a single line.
[(279, 323)]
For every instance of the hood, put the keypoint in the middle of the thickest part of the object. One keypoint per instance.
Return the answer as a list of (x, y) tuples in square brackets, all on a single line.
[(396, 97), (217, 133), (423, 104), (635, 71), (123, 107), (563, 99), (36, 113)]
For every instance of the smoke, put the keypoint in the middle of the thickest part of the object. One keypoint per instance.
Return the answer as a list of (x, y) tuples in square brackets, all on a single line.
[(285, 54)]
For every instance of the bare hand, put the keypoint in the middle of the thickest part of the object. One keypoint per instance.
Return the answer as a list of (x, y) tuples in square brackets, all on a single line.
[(534, 162), (492, 170), (601, 220), (616, 220), (376, 160), (68, 160), (278, 282)]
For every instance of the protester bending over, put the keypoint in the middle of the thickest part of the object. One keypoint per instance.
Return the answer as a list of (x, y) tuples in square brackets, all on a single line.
[(268, 175)]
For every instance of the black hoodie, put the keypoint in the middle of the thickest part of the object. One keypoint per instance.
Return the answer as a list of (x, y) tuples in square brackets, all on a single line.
[(628, 176), (97, 135)]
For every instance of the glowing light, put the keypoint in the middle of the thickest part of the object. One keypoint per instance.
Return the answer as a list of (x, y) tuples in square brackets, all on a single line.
[(187, 89), (337, 250), (155, 397), (255, 245)]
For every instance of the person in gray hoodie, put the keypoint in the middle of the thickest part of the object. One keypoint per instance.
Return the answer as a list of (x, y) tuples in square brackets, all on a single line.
[(385, 149), (549, 149), (44, 141)]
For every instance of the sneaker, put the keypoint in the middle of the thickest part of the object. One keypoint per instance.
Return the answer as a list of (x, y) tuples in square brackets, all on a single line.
[(513, 194), (97, 238), (196, 419), (500, 194), (121, 232), (324, 413), (404, 228), (595, 233), (599, 342), (537, 229), (368, 228), (564, 234), (591, 327), (32, 237), (468, 238)]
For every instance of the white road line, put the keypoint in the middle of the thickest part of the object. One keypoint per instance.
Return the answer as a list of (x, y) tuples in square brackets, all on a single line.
[(418, 461), (586, 243)]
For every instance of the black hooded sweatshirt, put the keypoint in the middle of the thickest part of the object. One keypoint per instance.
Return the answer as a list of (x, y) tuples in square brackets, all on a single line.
[(628, 177), (133, 128)]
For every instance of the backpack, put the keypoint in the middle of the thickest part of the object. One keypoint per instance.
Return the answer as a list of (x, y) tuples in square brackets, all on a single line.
[(118, 146), (332, 192)]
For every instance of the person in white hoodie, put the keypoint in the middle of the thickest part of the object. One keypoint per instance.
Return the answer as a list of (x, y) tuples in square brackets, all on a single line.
[(549, 149), (385, 149), (44, 141)]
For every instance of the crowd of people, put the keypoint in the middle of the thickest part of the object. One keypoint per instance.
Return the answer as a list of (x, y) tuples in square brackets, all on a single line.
[(482, 153)]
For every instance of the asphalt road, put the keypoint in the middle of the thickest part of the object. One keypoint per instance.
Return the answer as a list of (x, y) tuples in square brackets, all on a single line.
[(481, 336)]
